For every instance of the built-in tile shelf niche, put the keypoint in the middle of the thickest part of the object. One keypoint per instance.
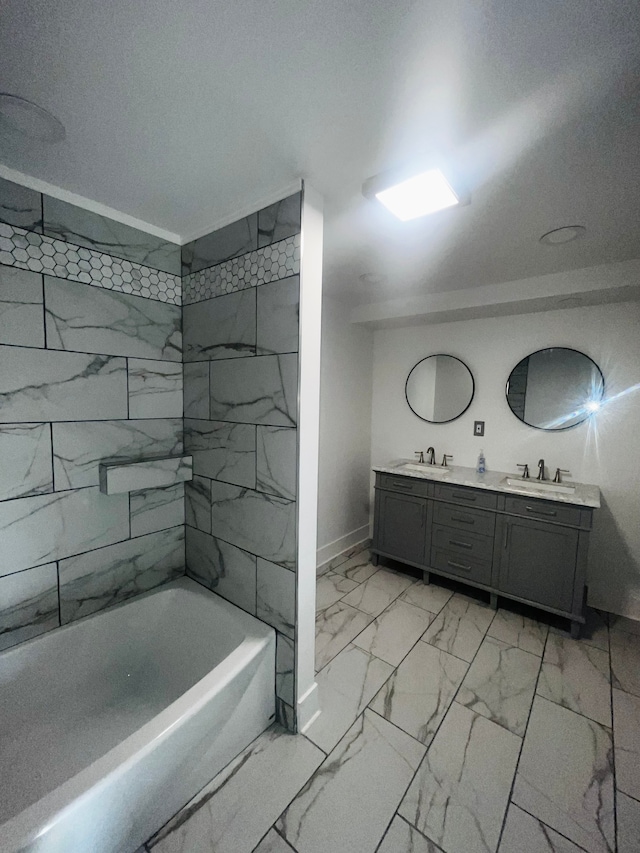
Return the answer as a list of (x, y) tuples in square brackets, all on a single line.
[(155, 473)]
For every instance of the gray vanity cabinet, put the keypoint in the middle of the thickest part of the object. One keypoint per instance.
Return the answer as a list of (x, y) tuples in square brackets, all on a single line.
[(401, 526)]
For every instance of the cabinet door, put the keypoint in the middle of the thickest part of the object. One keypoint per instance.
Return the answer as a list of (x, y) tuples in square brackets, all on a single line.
[(401, 526), (538, 561)]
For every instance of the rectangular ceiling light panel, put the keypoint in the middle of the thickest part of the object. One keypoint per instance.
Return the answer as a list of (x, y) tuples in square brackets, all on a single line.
[(425, 193)]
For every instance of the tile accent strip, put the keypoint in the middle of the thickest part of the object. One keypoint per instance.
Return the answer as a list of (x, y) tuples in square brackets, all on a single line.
[(280, 260), (29, 251)]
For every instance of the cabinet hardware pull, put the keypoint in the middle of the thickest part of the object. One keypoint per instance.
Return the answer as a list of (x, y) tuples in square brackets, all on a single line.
[(455, 565), (464, 497), (551, 512), (460, 544), (463, 519), (402, 486)]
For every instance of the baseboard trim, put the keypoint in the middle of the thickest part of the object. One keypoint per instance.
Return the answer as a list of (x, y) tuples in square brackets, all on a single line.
[(308, 708), (334, 549)]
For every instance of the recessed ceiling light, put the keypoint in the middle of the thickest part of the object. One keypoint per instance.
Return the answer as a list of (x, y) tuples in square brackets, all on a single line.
[(563, 235), (20, 117), (372, 278)]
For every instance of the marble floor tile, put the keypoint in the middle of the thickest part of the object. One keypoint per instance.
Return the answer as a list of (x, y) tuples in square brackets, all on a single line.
[(459, 627), (628, 811), (625, 661), (234, 811), (626, 731), (273, 843), (377, 593), (624, 624), (336, 627), (392, 634), (345, 686), (577, 677), (500, 684), (419, 692), (565, 775), (331, 588), (401, 837), (459, 795), (519, 631), (428, 596), (358, 568), (525, 834), (349, 801), (595, 631)]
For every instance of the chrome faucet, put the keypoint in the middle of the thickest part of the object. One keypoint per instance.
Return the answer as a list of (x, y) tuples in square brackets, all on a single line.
[(444, 459), (420, 455), (541, 475), (432, 456), (525, 471)]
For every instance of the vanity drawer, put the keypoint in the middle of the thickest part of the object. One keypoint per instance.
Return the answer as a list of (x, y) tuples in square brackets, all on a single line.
[(468, 497), (461, 518), (544, 510), (462, 542), (406, 485), (470, 568)]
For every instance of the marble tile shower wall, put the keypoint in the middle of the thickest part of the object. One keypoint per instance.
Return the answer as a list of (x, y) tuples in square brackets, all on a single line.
[(241, 413), (90, 369)]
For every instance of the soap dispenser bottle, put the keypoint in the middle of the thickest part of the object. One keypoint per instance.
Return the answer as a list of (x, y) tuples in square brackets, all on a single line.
[(481, 466)]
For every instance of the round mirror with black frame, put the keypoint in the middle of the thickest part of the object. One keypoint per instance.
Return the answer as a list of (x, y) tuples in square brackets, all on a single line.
[(439, 388), (555, 388)]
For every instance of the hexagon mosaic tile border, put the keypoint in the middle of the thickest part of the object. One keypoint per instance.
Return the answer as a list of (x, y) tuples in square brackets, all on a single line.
[(36, 252), (279, 260)]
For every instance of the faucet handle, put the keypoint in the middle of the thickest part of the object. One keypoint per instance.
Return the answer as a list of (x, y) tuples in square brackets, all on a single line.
[(559, 473), (419, 454), (525, 473), (444, 459)]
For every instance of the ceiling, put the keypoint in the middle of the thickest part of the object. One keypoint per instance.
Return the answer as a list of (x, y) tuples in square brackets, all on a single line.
[(183, 114)]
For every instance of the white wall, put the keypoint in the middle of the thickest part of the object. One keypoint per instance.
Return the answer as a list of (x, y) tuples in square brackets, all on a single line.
[(605, 451), (345, 430)]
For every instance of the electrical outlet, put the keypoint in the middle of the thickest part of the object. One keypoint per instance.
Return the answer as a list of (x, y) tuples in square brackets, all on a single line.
[(478, 427)]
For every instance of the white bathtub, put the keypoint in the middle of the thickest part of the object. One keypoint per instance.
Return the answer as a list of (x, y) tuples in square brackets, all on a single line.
[(111, 724)]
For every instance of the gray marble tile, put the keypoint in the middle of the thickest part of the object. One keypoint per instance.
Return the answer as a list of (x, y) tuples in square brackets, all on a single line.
[(595, 631), (519, 631), (565, 776), (355, 551), (223, 568), (577, 676), (625, 661), (225, 243), (224, 327), (151, 473), (401, 837), (331, 588), (420, 691), (86, 228), (79, 448), (156, 509), (349, 801), (41, 385), (430, 597), (460, 627), (628, 812), (276, 597), (28, 604), (376, 594), (96, 580), (500, 684), (25, 451), (276, 461), (278, 316), (155, 389), (279, 220), (345, 687), (233, 812), (196, 389), (624, 624), (49, 527), (273, 843), (21, 309), (222, 451), (525, 834), (261, 390), (93, 319), (262, 524), (286, 716), (626, 729), (285, 668), (392, 634), (461, 791), (336, 627), (20, 206), (358, 568), (197, 496)]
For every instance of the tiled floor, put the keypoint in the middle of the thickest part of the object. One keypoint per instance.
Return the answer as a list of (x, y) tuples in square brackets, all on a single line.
[(445, 727)]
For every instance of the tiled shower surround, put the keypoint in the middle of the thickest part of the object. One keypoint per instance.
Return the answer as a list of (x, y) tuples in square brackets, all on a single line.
[(241, 412)]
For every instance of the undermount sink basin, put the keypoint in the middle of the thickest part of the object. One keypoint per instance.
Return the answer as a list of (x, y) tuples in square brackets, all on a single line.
[(539, 486), (424, 468)]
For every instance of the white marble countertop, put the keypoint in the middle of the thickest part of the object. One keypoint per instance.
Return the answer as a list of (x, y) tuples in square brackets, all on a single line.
[(493, 481)]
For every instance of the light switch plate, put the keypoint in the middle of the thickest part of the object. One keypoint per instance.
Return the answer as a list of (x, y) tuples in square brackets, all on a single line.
[(478, 427)]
